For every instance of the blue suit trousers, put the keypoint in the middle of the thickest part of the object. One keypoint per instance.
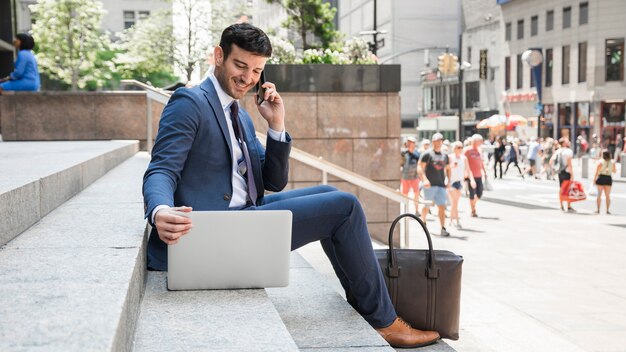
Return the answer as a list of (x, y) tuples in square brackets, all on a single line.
[(336, 219)]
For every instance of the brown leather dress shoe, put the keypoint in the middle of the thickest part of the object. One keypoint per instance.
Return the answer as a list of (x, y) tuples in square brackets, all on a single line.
[(401, 334)]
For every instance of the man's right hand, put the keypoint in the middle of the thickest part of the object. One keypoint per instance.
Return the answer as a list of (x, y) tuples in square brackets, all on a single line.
[(426, 183), (171, 225)]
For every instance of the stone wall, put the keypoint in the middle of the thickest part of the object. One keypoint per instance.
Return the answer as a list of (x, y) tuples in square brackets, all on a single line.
[(357, 131), (49, 116)]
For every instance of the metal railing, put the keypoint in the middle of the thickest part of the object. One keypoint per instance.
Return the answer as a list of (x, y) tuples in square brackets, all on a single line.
[(316, 162), (152, 93)]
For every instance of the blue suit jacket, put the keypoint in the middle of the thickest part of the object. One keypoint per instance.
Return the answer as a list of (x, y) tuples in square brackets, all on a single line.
[(192, 160)]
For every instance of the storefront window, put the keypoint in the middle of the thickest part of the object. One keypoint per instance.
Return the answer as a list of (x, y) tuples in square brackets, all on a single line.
[(565, 120), (582, 114), (547, 122), (507, 73), (615, 59)]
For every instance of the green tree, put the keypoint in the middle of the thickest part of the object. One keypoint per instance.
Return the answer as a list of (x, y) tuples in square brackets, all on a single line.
[(145, 51), (310, 17), (199, 25), (69, 40)]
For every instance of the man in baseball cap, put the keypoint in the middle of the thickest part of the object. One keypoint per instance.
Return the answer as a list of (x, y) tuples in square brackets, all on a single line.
[(434, 167)]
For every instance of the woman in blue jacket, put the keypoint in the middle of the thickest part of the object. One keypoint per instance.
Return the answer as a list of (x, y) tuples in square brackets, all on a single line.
[(25, 76)]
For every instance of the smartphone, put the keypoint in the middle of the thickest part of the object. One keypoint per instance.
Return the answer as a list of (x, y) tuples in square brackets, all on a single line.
[(260, 91)]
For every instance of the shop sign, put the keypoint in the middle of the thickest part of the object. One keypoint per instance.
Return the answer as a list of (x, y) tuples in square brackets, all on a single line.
[(482, 69), (521, 97), (613, 114)]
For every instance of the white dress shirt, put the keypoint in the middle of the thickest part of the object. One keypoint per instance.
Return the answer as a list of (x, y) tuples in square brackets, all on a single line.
[(240, 187)]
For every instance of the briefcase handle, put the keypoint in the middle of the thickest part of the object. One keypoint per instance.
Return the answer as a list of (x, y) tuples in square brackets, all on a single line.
[(393, 269)]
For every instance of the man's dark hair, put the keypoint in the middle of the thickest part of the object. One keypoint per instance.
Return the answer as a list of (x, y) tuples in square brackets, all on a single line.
[(606, 155), (248, 38), (26, 41)]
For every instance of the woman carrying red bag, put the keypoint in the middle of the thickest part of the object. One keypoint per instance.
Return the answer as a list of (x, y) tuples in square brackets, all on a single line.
[(565, 171)]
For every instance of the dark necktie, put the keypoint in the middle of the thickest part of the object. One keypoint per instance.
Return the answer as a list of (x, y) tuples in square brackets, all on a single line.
[(248, 175)]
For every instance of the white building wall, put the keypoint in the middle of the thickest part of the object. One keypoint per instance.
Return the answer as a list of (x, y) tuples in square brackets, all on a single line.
[(605, 21), (410, 24)]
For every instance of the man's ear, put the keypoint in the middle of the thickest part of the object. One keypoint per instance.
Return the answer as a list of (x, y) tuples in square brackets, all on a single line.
[(218, 54)]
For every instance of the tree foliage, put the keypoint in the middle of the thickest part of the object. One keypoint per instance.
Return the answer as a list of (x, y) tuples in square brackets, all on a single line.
[(145, 51), (69, 39), (310, 17)]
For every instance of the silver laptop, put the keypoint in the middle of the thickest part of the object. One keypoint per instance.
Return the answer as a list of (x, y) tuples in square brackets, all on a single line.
[(232, 250)]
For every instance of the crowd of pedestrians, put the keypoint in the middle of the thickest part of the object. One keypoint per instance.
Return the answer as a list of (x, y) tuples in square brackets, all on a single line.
[(441, 171)]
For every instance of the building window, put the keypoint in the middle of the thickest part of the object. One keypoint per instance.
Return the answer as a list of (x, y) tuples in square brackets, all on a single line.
[(582, 62), (615, 59), (583, 13), (567, 17), (520, 29), (428, 99), (472, 94), (507, 31), (440, 98), (469, 54), (550, 20), (534, 26), (507, 73), (129, 19), (565, 66), (454, 96), (533, 84), (549, 62), (520, 72)]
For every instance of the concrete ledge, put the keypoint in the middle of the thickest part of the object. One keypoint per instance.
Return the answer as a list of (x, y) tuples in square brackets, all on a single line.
[(208, 320), (40, 176), (73, 281), (319, 318)]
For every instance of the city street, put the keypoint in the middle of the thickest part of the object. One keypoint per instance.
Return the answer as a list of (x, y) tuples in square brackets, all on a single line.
[(536, 278)]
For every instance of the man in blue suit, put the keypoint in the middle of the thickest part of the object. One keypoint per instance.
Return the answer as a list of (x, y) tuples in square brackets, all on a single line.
[(206, 157)]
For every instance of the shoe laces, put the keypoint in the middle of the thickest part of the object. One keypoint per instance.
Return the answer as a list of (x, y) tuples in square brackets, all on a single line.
[(405, 323)]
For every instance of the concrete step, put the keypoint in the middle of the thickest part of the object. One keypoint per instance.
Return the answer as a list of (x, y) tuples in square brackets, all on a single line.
[(208, 320), (317, 317), (73, 281), (327, 282), (37, 177)]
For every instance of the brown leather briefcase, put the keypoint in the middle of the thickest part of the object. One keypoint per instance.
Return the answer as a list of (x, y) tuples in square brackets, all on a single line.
[(424, 285)]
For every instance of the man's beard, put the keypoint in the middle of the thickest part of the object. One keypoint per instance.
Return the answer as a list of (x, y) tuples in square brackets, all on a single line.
[(224, 83)]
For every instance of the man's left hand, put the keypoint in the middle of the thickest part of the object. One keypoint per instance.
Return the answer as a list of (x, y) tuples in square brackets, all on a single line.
[(272, 108)]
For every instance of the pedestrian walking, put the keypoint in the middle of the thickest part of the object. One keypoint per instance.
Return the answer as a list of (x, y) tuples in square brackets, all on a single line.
[(548, 151), (459, 169), (477, 168), (532, 156), (434, 167), (562, 158), (410, 180), (604, 180), (514, 154), (498, 156)]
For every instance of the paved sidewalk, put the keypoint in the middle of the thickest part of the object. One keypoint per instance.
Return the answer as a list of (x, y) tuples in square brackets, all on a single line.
[(538, 279)]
